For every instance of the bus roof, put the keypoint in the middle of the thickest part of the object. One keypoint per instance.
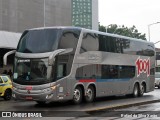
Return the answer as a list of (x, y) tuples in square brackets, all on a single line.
[(57, 27), (92, 31)]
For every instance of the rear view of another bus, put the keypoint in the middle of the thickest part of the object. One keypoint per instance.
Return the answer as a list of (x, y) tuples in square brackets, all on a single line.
[(157, 77)]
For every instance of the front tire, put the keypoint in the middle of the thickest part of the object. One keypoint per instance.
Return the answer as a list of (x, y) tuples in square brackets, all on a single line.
[(77, 96), (90, 94), (7, 95)]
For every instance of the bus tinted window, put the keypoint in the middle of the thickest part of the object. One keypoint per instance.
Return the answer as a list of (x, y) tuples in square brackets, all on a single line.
[(44, 40), (94, 42), (105, 72), (115, 71), (69, 39), (112, 44), (89, 43), (139, 48)]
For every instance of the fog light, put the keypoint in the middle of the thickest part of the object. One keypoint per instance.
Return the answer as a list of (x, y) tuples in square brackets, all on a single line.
[(49, 96)]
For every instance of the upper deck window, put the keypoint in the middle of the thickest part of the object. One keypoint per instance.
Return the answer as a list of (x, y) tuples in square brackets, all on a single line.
[(105, 43), (48, 40), (39, 41)]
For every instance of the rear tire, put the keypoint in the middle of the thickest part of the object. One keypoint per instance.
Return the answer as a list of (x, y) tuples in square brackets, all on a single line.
[(90, 94), (7, 94), (77, 96), (141, 90)]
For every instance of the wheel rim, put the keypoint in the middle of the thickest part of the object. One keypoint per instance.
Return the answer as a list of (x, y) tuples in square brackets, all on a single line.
[(77, 95), (89, 94), (142, 89), (136, 91)]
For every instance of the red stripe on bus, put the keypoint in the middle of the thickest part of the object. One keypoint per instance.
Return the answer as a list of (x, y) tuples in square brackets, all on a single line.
[(87, 80)]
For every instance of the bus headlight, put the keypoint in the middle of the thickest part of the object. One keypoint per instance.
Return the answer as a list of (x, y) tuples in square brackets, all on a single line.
[(49, 96), (53, 87), (47, 90)]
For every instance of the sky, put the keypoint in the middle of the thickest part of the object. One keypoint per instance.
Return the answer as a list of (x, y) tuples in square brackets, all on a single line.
[(140, 13)]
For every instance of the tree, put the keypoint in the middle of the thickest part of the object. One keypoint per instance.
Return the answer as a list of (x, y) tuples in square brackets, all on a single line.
[(102, 28), (123, 30)]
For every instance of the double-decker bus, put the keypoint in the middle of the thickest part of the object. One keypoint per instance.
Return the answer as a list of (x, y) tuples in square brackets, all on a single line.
[(71, 63)]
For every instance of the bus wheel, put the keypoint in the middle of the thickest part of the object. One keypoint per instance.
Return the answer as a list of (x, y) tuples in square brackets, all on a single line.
[(135, 91), (90, 94), (142, 90), (77, 96)]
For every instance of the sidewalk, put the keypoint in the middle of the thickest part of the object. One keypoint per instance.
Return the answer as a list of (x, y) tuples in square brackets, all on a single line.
[(122, 102)]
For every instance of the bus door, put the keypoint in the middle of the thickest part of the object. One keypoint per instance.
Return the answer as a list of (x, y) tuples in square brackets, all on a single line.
[(62, 84), (61, 70)]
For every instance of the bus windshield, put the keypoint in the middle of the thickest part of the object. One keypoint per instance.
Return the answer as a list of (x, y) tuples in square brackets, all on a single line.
[(31, 71), (36, 71), (39, 41)]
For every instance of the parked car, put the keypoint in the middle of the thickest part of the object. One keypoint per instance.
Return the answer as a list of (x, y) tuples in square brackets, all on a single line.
[(5, 87), (157, 79)]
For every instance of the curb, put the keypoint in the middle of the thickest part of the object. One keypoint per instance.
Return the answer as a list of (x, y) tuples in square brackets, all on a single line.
[(109, 108)]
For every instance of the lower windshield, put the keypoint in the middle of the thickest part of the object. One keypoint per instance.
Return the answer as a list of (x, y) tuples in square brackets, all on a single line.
[(31, 71)]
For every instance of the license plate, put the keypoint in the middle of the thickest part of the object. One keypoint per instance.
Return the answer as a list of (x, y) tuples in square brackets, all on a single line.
[(29, 98)]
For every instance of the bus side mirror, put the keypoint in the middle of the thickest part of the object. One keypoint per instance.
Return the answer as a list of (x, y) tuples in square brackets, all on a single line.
[(51, 58), (6, 55), (68, 50)]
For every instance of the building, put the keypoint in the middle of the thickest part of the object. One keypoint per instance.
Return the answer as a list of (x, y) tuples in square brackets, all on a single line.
[(18, 15), (85, 13), (8, 42)]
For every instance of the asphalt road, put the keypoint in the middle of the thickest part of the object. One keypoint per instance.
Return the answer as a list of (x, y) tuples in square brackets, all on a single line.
[(149, 111), (67, 110)]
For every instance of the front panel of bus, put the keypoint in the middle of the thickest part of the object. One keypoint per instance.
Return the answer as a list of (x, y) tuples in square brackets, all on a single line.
[(34, 77)]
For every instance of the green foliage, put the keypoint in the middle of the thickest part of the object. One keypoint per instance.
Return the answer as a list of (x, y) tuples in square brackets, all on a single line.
[(123, 30), (102, 28)]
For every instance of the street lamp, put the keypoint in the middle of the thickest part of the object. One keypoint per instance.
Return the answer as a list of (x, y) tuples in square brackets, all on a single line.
[(149, 29), (44, 13)]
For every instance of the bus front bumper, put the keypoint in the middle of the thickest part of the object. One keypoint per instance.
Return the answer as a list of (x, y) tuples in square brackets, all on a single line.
[(46, 96)]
